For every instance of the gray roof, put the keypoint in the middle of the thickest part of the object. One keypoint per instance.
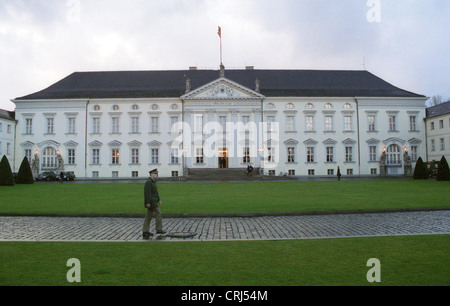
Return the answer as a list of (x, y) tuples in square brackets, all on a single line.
[(438, 110), (4, 114), (171, 83)]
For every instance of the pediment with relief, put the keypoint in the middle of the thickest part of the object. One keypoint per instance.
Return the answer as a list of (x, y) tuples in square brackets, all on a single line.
[(222, 89)]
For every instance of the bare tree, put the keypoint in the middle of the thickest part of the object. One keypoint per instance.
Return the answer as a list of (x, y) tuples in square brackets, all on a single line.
[(435, 100)]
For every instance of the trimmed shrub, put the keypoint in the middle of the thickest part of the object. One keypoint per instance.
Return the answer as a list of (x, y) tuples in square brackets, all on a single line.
[(6, 177), (25, 176), (420, 171), (443, 173)]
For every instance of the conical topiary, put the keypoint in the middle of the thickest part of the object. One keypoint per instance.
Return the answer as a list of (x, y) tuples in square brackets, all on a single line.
[(6, 177), (420, 171), (25, 176), (443, 173)]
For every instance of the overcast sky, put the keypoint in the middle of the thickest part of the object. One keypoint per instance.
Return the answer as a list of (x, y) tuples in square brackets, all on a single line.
[(405, 42)]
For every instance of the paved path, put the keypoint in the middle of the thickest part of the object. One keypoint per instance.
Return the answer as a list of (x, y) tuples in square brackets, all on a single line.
[(233, 228)]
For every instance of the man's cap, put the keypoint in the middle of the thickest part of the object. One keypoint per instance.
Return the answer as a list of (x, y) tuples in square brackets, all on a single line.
[(155, 171)]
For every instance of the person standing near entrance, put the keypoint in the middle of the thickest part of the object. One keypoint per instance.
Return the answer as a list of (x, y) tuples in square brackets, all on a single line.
[(152, 203)]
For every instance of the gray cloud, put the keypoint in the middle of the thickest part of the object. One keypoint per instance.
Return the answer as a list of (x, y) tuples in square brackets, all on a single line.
[(42, 41)]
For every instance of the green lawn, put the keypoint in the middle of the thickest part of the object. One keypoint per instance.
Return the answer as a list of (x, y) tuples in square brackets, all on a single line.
[(229, 197), (407, 260)]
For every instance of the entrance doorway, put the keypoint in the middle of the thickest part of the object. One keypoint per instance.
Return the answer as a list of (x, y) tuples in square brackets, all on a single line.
[(223, 158)]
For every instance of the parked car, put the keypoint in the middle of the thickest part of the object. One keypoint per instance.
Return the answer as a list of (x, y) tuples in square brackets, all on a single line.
[(68, 176), (47, 176)]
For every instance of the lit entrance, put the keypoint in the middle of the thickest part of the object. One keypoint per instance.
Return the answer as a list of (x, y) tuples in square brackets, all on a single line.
[(223, 158)]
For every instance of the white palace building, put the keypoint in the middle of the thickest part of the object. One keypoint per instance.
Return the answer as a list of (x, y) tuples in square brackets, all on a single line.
[(283, 122)]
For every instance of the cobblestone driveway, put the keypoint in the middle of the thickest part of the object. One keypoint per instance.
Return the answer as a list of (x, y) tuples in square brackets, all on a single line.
[(235, 228)]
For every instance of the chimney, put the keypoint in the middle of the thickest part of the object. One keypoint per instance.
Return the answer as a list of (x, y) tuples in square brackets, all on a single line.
[(249, 67), (192, 68)]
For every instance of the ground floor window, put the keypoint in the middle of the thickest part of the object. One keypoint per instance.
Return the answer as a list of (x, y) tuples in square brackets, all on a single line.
[(393, 155), (49, 158)]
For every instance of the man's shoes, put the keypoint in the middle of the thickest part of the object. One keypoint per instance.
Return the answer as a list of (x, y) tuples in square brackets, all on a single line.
[(161, 232), (146, 235)]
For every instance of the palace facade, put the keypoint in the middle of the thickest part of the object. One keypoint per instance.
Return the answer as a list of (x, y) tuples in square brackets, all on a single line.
[(283, 122)]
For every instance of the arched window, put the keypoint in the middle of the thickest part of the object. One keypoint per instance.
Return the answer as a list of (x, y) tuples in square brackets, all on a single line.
[(49, 158), (393, 156)]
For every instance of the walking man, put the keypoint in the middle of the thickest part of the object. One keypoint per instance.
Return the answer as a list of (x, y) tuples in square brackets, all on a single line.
[(152, 203)]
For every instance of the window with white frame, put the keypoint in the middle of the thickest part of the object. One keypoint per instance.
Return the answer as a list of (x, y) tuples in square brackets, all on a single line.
[(71, 156), (330, 154), (291, 154), (441, 144), (154, 156), (271, 154), (372, 153), (290, 127), (154, 124), (414, 153), (115, 125), (50, 125), (198, 123), (371, 123), (433, 145), (348, 123), (96, 156), (309, 123), (223, 124), (173, 124), (393, 155), (199, 155), (246, 156), (27, 155), (174, 159), (49, 158), (135, 156), (348, 153), (135, 124), (71, 125), (392, 123), (310, 154), (96, 125), (29, 126), (412, 123), (115, 154), (270, 123), (329, 124)]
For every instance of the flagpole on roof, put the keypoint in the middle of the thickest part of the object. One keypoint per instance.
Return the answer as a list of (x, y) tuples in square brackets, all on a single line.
[(219, 32), (222, 68)]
